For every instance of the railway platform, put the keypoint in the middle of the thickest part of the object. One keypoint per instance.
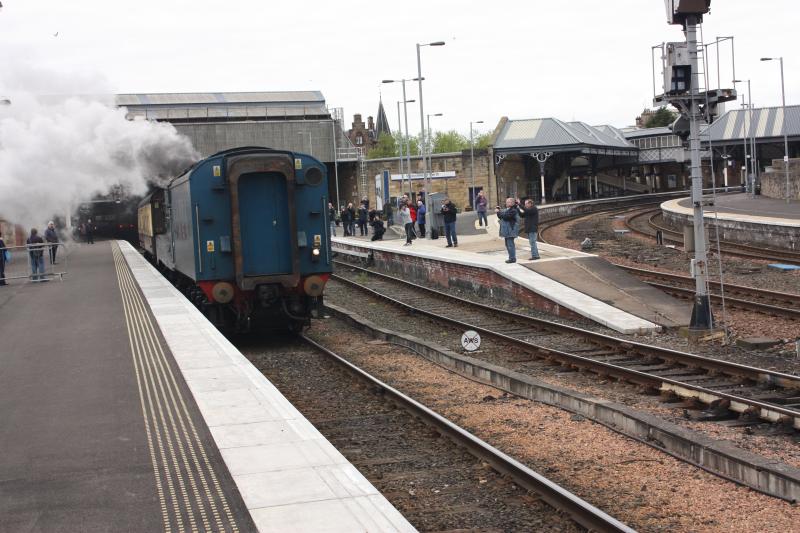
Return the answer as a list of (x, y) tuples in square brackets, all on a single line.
[(124, 410), (745, 219), (563, 282)]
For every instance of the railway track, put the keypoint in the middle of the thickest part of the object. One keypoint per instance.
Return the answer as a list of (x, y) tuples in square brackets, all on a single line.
[(728, 248), (723, 386), (410, 464), (779, 304)]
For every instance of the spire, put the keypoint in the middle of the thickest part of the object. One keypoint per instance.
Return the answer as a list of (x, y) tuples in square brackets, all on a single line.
[(381, 123)]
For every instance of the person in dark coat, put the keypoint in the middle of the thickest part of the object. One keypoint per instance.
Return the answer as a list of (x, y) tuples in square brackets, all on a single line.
[(51, 236), (3, 252), (388, 212), (509, 228), (351, 219), (421, 211), (377, 229), (36, 254), (332, 217), (449, 211), (362, 219), (89, 231), (531, 215)]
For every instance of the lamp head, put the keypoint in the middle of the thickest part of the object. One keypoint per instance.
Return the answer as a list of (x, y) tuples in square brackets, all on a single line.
[(387, 81), (437, 43)]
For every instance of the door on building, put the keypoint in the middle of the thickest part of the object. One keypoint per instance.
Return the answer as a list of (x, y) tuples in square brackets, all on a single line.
[(473, 193)]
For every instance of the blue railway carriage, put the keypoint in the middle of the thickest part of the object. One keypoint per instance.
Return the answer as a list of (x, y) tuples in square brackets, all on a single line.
[(244, 234)]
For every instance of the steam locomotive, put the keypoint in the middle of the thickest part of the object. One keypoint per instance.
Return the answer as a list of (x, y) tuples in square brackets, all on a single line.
[(244, 234)]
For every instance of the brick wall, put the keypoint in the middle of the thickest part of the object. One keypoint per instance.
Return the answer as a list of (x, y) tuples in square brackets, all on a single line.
[(773, 184), (484, 285)]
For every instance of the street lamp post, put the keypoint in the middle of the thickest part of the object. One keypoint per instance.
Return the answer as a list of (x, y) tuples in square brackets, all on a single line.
[(405, 113), (400, 148), (426, 170), (785, 129), (404, 141), (429, 149), (748, 125), (472, 162)]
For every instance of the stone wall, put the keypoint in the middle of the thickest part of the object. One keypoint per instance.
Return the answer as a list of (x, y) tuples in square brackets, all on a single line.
[(457, 188), (773, 183)]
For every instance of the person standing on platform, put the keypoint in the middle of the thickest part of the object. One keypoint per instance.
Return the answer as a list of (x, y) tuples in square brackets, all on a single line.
[(345, 216), (332, 217), (3, 256), (531, 215), (480, 204), (365, 203), (351, 220), (362, 219), (89, 232), (36, 253), (388, 212), (509, 229), (377, 229), (405, 219), (413, 212), (51, 236), (421, 211), (449, 211)]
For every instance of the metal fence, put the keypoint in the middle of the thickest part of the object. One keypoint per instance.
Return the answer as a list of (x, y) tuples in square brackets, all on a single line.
[(39, 262)]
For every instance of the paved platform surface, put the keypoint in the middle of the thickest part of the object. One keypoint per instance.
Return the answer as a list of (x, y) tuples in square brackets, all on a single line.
[(290, 476), (78, 453), (601, 280), (110, 425), (488, 251), (745, 208)]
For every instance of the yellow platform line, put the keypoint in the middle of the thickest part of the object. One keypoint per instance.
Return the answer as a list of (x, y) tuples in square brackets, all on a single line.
[(168, 411)]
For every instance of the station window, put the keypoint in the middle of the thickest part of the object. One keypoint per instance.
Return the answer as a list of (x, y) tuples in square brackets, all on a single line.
[(359, 140)]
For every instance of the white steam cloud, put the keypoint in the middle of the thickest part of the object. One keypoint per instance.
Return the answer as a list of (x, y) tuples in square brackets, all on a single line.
[(56, 153)]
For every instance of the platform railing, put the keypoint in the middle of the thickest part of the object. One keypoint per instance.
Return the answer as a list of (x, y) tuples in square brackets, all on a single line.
[(33, 263)]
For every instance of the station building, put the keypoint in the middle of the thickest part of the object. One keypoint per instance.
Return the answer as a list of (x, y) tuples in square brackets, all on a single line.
[(579, 161), (298, 121)]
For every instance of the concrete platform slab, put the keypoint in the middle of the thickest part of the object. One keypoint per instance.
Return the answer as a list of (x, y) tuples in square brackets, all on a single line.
[(290, 477), (744, 219), (601, 280), (487, 253)]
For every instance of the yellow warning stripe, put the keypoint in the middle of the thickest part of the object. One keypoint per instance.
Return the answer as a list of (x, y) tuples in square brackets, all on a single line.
[(176, 451)]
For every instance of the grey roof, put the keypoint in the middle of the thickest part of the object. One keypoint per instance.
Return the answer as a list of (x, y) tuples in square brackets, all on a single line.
[(763, 123), (224, 106), (554, 135), (647, 132), (205, 99)]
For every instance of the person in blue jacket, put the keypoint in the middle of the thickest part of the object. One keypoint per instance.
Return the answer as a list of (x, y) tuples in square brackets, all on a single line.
[(509, 229), (421, 211)]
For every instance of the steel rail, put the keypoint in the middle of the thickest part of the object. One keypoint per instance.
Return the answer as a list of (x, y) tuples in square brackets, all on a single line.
[(556, 496), (750, 305), (752, 292), (767, 411)]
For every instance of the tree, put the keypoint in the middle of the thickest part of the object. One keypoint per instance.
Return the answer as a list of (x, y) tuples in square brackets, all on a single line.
[(450, 141), (482, 141), (386, 147), (662, 117)]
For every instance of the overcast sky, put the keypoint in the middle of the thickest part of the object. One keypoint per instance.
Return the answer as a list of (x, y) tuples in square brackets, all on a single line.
[(572, 60)]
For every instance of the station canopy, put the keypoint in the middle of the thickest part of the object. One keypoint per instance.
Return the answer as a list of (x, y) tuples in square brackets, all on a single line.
[(761, 123), (553, 135)]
